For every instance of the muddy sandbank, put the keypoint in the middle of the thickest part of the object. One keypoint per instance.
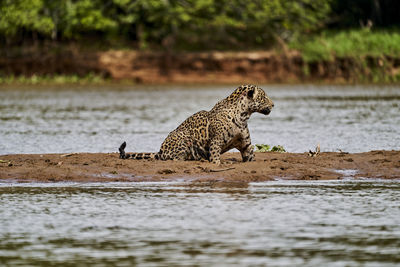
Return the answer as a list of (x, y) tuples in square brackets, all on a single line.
[(107, 167)]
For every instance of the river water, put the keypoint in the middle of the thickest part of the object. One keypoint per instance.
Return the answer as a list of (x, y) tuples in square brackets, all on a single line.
[(280, 223), (86, 119)]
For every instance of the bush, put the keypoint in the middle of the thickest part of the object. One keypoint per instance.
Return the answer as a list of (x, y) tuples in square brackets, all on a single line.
[(353, 43)]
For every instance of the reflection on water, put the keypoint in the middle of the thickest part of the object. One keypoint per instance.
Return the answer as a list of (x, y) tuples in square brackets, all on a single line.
[(276, 223), (63, 120)]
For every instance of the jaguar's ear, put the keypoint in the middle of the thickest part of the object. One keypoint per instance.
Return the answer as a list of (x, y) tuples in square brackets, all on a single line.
[(250, 93)]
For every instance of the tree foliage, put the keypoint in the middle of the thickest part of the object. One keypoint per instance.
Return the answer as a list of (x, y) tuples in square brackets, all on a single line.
[(17, 16), (179, 24)]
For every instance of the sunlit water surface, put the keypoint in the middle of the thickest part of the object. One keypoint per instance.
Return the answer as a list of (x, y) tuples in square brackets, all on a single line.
[(281, 223), (87, 119)]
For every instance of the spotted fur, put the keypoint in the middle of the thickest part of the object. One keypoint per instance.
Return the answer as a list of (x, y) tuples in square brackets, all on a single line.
[(208, 134)]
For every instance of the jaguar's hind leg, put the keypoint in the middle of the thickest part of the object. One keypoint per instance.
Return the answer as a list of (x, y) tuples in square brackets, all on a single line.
[(199, 153)]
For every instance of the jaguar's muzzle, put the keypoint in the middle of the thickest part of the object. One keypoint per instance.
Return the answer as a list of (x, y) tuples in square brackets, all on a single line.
[(265, 111)]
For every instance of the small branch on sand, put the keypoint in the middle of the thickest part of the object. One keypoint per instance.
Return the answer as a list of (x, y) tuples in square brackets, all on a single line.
[(68, 155), (221, 170)]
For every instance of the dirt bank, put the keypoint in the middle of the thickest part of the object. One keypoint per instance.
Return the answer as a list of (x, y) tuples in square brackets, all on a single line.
[(207, 67), (91, 167)]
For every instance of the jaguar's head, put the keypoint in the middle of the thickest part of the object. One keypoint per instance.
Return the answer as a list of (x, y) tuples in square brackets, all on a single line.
[(256, 99)]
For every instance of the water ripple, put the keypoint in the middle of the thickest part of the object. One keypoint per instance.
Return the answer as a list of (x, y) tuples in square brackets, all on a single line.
[(280, 223)]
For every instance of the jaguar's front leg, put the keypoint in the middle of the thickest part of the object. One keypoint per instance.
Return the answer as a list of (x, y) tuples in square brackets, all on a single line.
[(246, 149), (247, 153)]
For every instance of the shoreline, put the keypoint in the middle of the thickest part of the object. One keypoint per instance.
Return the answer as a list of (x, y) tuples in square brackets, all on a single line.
[(107, 167), (213, 67)]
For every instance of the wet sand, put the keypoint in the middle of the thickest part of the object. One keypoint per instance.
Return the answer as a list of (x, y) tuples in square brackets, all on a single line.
[(107, 167)]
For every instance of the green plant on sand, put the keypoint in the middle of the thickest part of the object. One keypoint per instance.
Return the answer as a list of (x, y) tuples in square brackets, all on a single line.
[(268, 148)]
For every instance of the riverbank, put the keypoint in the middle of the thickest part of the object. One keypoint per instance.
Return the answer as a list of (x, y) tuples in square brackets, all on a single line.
[(107, 167), (71, 65)]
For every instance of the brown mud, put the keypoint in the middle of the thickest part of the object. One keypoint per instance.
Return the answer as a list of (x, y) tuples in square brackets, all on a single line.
[(107, 167), (196, 67)]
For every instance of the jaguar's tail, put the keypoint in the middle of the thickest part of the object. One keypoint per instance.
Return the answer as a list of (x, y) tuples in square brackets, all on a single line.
[(123, 155)]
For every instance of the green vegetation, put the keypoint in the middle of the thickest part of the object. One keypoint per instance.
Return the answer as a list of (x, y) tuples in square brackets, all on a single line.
[(267, 148), (197, 24), (173, 24), (352, 43), (53, 79)]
